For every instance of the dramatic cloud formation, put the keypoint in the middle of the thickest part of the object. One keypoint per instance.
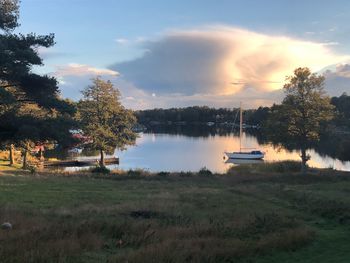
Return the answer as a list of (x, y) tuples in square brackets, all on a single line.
[(218, 67), (222, 61)]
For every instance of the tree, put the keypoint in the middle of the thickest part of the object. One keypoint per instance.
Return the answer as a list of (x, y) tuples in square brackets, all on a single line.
[(18, 54), (103, 118), (342, 105), (21, 89), (297, 121), (8, 14)]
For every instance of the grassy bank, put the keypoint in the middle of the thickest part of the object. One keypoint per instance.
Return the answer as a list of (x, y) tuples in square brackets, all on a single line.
[(184, 217)]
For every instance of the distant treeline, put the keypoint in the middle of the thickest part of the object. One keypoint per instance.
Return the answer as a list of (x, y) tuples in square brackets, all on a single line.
[(204, 114), (199, 114), (342, 107)]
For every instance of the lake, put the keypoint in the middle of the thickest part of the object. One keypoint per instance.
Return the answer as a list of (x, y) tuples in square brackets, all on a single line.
[(173, 152)]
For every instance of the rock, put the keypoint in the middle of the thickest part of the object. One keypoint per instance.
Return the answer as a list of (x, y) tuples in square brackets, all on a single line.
[(6, 226)]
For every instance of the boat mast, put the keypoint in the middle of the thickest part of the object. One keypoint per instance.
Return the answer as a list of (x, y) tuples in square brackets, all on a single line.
[(240, 127)]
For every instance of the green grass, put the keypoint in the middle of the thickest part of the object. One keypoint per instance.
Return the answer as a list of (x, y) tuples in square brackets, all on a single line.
[(267, 167), (5, 166), (139, 217)]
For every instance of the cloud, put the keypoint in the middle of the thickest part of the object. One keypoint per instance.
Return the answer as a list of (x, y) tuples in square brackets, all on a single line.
[(338, 80), (215, 66), (251, 99), (75, 77), (74, 69), (121, 41), (221, 61), (330, 43)]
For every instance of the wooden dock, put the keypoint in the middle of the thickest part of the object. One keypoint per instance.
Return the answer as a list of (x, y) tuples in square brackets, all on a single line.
[(79, 163)]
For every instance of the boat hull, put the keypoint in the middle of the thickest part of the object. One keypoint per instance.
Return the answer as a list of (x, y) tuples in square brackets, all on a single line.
[(244, 161), (245, 156)]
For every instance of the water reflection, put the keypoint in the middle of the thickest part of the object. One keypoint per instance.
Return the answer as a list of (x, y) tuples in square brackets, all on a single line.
[(190, 148), (174, 152)]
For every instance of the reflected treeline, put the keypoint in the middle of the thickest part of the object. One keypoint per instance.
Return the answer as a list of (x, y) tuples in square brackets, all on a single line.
[(200, 130), (193, 130), (335, 146)]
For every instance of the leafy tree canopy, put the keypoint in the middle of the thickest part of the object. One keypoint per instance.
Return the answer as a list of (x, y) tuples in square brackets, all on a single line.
[(9, 14), (104, 119), (298, 120), (18, 55), (31, 109)]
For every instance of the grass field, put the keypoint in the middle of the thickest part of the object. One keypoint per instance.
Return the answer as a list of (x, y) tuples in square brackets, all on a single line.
[(249, 217)]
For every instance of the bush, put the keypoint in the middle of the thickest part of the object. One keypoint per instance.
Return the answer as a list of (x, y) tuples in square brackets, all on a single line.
[(101, 170), (205, 172), (32, 169), (163, 174), (138, 172)]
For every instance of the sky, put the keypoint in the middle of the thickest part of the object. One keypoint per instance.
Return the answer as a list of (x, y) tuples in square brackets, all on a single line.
[(163, 54)]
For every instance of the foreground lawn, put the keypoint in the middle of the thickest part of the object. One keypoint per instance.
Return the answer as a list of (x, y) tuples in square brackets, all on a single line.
[(175, 218)]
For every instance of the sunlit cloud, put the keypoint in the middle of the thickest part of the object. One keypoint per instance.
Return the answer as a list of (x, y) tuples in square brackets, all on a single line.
[(330, 43), (74, 69), (222, 61), (214, 66), (73, 78)]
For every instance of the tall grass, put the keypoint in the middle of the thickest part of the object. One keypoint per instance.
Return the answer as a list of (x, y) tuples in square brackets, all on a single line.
[(145, 236), (137, 216), (267, 167)]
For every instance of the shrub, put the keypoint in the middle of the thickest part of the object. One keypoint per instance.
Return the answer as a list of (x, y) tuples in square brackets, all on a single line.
[(32, 169), (205, 172), (101, 170), (138, 172), (163, 174)]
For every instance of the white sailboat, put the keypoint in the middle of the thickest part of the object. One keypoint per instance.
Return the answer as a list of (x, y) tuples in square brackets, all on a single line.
[(252, 155)]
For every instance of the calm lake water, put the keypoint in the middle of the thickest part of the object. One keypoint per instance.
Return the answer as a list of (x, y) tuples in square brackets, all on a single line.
[(166, 152)]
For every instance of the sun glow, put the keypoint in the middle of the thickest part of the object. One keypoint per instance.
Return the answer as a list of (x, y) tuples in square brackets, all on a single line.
[(263, 62)]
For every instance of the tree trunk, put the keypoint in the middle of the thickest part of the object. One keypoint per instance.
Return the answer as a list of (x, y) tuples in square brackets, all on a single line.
[(25, 155), (11, 157), (25, 165), (41, 156), (304, 160), (102, 159)]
